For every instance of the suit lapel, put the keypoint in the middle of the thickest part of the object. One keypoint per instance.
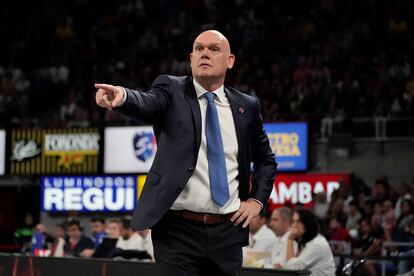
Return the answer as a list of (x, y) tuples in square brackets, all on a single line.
[(191, 97), (238, 111)]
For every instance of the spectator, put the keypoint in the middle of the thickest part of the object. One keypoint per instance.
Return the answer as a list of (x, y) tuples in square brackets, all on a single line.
[(107, 246), (353, 215), (129, 239), (261, 238), (98, 230), (338, 233), (407, 217), (404, 193), (314, 251), (41, 240), (131, 244), (146, 242), (23, 234), (77, 244), (321, 206), (280, 222), (57, 249)]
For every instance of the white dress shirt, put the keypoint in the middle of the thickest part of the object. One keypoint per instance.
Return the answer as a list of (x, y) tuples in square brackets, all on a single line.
[(196, 195), (279, 251), (262, 240), (132, 243), (316, 256)]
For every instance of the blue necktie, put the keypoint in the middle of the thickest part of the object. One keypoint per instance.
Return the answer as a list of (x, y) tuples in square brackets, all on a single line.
[(217, 171)]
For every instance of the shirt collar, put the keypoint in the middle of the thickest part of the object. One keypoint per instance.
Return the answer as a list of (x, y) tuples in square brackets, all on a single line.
[(200, 90)]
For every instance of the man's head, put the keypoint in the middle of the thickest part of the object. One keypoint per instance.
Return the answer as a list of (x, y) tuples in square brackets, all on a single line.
[(280, 220), (40, 228), (74, 229), (126, 230), (97, 225), (210, 59), (113, 228), (60, 230)]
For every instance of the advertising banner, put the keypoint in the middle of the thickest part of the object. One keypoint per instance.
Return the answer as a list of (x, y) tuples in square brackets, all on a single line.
[(289, 141), (299, 189), (89, 193), (54, 151), (129, 149)]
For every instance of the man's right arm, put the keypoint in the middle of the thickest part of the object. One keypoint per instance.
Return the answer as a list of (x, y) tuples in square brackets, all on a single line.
[(148, 106)]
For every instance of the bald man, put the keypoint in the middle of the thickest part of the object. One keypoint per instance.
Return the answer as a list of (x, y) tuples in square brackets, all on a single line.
[(197, 197)]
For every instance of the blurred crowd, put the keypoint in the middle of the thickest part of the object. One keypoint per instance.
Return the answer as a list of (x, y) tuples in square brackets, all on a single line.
[(359, 221), (304, 59), (108, 238)]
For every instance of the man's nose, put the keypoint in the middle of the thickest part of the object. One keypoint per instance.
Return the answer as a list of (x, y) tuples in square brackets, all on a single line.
[(205, 55)]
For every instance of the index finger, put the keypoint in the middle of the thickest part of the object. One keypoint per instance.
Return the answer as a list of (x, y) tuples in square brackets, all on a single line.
[(106, 87)]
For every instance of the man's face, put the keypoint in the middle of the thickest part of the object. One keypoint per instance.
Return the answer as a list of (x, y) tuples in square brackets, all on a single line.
[(97, 227), (113, 230), (74, 232), (278, 224), (211, 56)]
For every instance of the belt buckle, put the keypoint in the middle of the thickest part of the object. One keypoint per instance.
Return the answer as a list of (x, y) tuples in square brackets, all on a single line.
[(205, 218)]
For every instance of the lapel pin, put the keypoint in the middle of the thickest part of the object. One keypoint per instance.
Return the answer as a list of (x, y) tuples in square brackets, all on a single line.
[(241, 110)]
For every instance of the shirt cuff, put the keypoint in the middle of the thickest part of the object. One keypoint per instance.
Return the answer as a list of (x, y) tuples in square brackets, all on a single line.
[(250, 198), (124, 98)]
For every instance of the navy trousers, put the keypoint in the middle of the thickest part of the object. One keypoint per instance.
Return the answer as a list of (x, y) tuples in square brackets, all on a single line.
[(186, 248)]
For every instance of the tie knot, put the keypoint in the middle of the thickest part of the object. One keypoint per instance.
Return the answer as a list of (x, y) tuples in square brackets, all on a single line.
[(210, 96)]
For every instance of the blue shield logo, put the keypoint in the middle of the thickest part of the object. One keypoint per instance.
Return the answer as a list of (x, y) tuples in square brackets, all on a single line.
[(144, 145)]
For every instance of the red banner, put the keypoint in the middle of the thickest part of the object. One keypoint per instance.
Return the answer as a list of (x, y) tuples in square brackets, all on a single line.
[(298, 189)]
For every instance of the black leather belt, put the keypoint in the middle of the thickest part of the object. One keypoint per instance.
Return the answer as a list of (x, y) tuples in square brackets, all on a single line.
[(204, 218)]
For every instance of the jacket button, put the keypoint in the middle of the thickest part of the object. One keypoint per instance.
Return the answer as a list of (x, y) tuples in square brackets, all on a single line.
[(179, 190), (191, 169)]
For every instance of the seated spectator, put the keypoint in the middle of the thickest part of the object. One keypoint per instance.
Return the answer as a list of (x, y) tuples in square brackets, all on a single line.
[(353, 215), (261, 238), (23, 233), (146, 242), (41, 240), (406, 217), (129, 244), (76, 243), (57, 249), (280, 222), (107, 246), (387, 206), (336, 209), (321, 206), (338, 233), (314, 251), (98, 230), (368, 244), (98, 234), (404, 193)]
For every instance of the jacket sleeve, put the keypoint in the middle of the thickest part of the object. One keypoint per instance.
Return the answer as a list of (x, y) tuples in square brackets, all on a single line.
[(264, 164), (148, 106)]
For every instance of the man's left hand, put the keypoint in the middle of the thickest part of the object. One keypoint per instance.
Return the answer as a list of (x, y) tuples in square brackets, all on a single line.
[(247, 211)]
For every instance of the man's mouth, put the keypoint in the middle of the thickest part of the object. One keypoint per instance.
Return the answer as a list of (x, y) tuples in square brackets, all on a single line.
[(205, 64)]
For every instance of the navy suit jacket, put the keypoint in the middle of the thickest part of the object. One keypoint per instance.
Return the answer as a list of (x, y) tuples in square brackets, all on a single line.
[(172, 107)]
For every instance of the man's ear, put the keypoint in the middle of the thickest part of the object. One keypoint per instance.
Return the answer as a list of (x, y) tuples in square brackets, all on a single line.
[(230, 61)]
